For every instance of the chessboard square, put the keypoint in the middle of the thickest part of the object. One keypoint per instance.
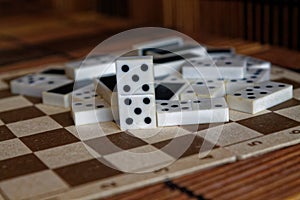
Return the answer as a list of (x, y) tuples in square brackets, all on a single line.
[(268, 123), (85, 172), (235, 115), (184, 146), (33, 185), (296, 94), (5, 133), (63, 119), (12, 148), (20, 114), (33, 126), (90, 131), (228, 134), (159, 134), (139, 160), (288, 81), (6, 93), (199, 127), (51, 110), (114, 143), (49, 139), (292, 113), (34, 100), (64, 155), (20, 165), (286, 104), (15, 102)]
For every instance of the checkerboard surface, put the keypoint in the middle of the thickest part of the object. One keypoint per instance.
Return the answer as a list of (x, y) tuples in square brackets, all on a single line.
[(43, 155)]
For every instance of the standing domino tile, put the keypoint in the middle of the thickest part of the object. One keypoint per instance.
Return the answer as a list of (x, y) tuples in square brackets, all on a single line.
[(260, 97), (198, 111), (61, 96), (228, 68), (35, 84), (204, 89), (135, 75), (91, 111), (137, 112), (136, 97), (252, 76), (91, 67)]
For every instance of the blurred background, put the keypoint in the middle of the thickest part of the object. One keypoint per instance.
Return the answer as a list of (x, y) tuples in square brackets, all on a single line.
[(70, 28), (267, 21)]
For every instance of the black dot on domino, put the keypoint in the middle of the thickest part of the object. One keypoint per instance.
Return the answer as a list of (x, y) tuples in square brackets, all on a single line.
[(174, 106), (269, 86), (137, 111), (99, 106), (50, 82), (125, 68), (252, 97), (127, 101), (197, 101), (249, 90), (147, 120), (218, 106), (89, 105), (228, 63), (185, 108), (237, 94), (135, 78), (129, 121), (190, 91), (164, 104), (146, 100), (165, 109), (263, 93), (78, 104), (281, 85), (144, 67), (145, 87), (126, 88)]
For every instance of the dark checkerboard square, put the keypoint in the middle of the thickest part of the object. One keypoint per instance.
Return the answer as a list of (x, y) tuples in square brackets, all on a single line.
[(48, 139), (287, 104), (85, 172), (34, 100), (269, 123), (114, 143), (63, 119), (5, 93), (20, 165), (184, 146), (5, 134), (288, 81), (20, 114)]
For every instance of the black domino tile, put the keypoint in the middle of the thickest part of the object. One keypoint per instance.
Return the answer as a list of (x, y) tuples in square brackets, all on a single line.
[(53, 71), (68, 88), (173, 58), (165, 91), (109, 81)]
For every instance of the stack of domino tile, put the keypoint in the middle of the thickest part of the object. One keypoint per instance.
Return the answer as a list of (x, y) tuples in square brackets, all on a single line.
[(191, 85)]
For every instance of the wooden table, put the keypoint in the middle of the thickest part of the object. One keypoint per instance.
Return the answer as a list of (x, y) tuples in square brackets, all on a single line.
[(42, 40)]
